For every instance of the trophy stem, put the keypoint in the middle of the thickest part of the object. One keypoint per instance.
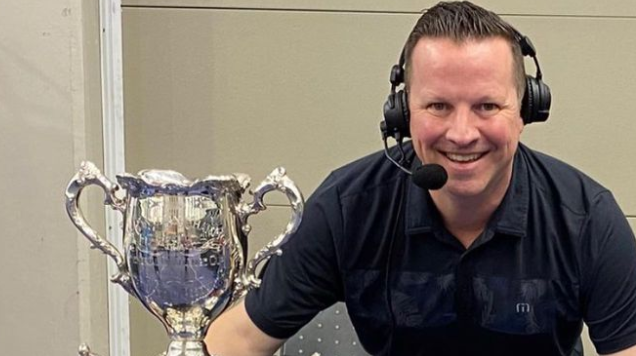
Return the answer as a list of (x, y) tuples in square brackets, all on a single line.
[(187, 348)]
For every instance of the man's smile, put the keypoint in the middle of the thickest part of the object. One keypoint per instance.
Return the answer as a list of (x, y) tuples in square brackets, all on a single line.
[(463, 157)]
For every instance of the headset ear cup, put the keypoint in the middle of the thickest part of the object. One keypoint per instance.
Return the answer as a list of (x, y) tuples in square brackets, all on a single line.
[(405, 129), (535, 106), (392, 115), (544, 101), (396, 115), (527, 103)]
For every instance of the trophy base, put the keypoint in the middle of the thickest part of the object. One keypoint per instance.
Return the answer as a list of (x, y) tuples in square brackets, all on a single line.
[(187, 348), (176, 348)]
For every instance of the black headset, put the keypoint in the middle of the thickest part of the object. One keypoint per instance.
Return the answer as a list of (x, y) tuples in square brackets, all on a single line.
[(535, 105)]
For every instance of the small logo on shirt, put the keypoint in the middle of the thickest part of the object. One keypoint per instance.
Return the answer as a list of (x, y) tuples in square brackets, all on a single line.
[(523, 308)]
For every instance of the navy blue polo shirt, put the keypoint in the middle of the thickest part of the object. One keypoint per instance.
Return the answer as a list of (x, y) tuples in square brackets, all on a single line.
[(558, 251)]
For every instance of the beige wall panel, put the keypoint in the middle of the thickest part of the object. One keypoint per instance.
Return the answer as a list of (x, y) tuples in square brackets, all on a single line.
[(588, 347), (147, 334), (226, 91), (618, 8), (593, 81)]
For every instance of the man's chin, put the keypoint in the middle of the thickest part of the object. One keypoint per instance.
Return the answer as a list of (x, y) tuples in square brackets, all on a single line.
[(462, 189)]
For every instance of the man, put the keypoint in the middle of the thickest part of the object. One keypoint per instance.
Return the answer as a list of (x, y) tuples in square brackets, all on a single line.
[(509, 257)]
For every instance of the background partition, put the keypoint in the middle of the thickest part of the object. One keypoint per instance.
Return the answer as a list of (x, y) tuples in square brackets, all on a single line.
[(220, 86)]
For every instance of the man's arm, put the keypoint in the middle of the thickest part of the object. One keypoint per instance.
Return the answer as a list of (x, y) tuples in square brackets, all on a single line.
[(608, 287), (234, 334), (627, 352)]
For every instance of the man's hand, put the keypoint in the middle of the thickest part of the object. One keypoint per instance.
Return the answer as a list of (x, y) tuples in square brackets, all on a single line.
[(234, 334)]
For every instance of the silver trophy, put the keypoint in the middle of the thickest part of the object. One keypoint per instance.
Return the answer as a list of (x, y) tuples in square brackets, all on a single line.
[(185, 243)]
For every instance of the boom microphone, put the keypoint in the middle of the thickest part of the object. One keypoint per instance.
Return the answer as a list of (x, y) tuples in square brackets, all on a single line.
[(430, 176), (427, 176)]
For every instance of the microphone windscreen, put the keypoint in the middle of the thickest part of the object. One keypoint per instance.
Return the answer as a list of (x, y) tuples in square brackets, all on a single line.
[(430, 176)]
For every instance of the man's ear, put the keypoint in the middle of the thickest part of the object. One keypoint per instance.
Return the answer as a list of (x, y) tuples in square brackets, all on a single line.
[(521, 124)]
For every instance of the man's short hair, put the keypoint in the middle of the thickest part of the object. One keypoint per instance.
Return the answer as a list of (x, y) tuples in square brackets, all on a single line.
[(461, 21)]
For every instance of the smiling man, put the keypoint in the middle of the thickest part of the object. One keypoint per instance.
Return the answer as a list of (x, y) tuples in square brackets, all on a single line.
[(510, 257), (465, 116)]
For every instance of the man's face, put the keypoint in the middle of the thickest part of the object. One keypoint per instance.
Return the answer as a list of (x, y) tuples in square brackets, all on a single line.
[(465, 112)]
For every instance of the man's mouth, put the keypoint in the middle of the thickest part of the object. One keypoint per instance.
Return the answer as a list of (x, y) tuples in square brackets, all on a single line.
[(463, 158)]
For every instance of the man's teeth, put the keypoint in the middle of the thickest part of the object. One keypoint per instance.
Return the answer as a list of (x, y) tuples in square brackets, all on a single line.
[(463, 158)]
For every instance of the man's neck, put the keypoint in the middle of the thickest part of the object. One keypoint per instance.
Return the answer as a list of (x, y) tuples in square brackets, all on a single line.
[(467, 217)]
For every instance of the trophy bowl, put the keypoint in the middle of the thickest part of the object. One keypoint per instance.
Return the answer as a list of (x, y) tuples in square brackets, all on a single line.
[(185, 243)]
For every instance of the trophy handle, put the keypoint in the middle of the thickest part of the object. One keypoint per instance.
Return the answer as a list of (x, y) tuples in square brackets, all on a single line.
[(277, 180), (84, 350), (89, 174)]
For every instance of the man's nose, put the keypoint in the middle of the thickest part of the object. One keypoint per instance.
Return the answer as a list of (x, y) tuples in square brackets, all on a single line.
[(462, 130)]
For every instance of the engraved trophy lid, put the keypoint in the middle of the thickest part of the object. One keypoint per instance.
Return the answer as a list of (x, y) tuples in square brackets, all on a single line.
[(149, 182)]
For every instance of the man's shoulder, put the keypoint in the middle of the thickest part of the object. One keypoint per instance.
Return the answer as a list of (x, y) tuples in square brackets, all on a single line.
[(561, 180)]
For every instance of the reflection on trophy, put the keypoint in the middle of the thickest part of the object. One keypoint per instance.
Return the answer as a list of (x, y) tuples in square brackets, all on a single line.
[(185, 243)]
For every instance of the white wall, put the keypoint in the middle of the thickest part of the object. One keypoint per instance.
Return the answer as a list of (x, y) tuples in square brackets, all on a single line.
[(53, 290)]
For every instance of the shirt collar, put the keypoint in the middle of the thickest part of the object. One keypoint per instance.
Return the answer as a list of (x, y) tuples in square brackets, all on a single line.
[(510, 218)]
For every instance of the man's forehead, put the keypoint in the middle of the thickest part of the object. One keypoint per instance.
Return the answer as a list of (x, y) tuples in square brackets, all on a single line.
[(433, 52), (449, 42), (444, 61)]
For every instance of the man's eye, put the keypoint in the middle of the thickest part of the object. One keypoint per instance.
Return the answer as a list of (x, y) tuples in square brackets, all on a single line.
[(437, 107), (488, 107)]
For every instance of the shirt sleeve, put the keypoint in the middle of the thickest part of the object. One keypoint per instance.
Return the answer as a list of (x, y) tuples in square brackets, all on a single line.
[(305, 279), (609, 285)]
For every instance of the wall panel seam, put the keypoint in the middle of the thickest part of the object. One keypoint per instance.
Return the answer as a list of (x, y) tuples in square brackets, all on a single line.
[(370, 12), (266, 9)]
